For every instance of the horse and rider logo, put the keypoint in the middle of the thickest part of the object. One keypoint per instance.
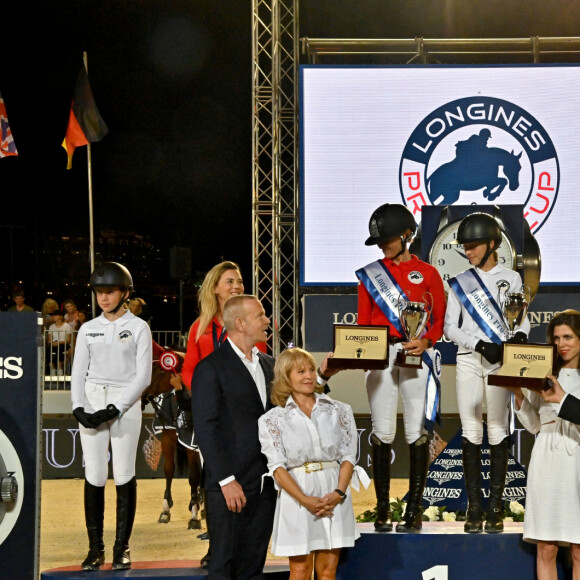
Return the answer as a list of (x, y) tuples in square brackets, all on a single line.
[(480, 150)]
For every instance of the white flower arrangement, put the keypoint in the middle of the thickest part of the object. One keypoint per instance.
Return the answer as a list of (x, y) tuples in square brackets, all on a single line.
[(513, 513), (432, 513), (449, 516), (517, 508)]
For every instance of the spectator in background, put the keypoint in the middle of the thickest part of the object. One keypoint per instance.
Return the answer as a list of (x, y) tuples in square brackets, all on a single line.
[(140, 308), (49, 307), (82, 317), (59, 338), (71, 315), (19, 304)]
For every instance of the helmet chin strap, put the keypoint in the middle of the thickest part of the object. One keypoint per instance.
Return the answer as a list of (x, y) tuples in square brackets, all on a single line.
[(121, 302), (404, 241), (486, 256)]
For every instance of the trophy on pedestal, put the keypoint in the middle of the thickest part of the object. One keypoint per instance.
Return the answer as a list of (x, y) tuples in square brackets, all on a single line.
[(526, 365), (414, 317)]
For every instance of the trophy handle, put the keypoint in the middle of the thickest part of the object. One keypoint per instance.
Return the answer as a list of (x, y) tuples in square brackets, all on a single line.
[(527, 293)]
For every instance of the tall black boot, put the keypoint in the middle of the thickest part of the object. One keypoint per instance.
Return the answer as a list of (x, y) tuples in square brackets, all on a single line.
[(472, 473), (413, 519), (382, 479), (126, 506), (94, 514), (497, 474)]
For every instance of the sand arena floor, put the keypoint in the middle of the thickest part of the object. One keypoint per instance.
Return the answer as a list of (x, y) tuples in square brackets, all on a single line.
[(63, 539)]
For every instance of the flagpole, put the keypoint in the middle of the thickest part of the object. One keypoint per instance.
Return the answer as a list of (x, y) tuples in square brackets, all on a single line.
[(91, 227)]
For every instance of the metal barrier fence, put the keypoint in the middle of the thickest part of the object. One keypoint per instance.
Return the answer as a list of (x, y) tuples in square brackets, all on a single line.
[(59, 354)]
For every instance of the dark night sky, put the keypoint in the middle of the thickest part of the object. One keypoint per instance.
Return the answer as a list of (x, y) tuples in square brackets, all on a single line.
[(172, 79)]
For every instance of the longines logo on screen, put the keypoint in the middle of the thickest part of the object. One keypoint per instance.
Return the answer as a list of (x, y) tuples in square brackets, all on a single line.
[(481, 150), (11, 367)]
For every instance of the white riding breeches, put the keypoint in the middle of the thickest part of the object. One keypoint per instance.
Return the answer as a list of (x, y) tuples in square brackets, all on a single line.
[(472, 372), (383, 387), (122, 434)]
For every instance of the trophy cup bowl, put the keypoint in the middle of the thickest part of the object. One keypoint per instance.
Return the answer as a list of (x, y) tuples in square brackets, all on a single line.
[(413, 317), (515, 307)]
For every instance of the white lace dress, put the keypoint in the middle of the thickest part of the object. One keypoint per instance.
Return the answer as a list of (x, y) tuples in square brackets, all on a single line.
[(289, 439), (553, 494)]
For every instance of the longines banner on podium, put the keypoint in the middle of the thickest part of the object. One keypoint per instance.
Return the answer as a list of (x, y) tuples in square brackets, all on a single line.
[(20, 418), (435, 136)]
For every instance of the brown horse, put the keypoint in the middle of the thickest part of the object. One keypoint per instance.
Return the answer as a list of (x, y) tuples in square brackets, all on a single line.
[(173, 419)]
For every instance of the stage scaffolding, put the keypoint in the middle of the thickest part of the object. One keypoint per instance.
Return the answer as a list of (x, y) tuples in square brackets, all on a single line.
[(275, 58)]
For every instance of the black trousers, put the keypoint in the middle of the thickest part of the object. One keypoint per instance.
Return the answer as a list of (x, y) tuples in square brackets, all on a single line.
[(239, 541)]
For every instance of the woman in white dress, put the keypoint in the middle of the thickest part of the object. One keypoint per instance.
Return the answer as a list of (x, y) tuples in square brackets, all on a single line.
[(553, 495), (310, 441)]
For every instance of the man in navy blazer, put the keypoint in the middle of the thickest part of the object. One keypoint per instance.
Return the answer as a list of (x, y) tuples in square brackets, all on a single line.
[(570, 405), (230, 391)]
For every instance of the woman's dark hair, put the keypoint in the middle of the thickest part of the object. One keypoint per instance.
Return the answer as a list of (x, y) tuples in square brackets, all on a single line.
[(570, 318)]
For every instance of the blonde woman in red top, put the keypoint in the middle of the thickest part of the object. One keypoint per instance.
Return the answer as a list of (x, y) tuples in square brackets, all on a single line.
[(207, 333)]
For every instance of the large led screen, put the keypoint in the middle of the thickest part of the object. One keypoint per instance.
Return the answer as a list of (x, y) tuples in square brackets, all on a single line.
[(403, 134)]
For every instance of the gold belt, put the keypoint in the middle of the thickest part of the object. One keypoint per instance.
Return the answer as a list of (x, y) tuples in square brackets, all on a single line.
[(312, 466)]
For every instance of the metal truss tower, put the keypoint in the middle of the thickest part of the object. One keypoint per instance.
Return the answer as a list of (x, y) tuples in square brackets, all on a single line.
[(275, 190)]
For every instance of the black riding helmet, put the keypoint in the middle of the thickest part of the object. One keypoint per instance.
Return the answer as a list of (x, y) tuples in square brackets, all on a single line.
[(388, 221), (112, 275), (479, 227)]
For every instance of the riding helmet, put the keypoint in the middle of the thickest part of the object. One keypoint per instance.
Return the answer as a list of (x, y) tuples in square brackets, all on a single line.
[(479, 227), (388, 221), (111, 274)]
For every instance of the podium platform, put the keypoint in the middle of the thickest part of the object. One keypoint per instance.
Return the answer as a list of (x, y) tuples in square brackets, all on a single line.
[(443, 551), (165, 570)]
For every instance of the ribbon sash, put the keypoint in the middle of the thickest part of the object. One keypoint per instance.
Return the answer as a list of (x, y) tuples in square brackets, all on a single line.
[(432, 360), (478, 301), (384, 290)]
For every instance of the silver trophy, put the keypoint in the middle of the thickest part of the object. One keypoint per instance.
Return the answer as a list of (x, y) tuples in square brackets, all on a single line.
[(414, 317), (514, 306)]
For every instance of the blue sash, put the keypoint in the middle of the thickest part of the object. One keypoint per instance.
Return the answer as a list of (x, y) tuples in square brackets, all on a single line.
[(478, 301), (432, 359), (385, 291), (486, 313)]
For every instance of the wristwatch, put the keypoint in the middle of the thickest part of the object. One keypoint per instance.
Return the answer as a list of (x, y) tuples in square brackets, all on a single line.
[(341, 494)]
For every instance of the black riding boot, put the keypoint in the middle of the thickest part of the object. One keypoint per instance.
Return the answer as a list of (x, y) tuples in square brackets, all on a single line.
[(382, 479), (413, 519), (94, 513), (497, 474), (472, 473), (126, 506)]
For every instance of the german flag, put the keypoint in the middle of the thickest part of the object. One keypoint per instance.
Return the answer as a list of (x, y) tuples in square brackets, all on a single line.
[(85, 124)]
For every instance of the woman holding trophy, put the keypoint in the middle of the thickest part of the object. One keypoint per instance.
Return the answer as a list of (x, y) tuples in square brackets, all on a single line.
[(392, 292), (553, 497), (474, 321)]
